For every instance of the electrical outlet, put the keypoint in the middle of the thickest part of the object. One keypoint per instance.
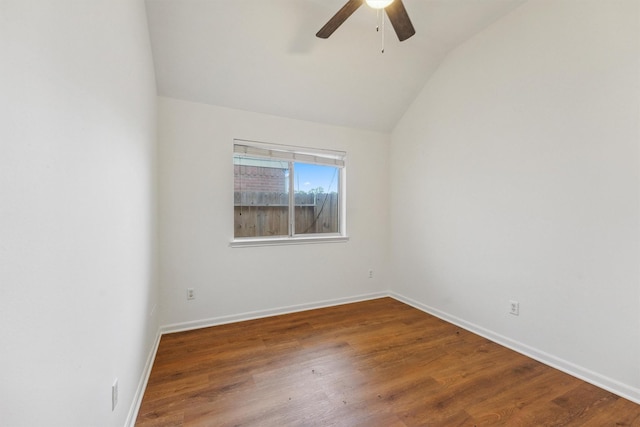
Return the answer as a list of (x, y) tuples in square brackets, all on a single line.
[(191, 294), (114, 394), (370, 274), (514, 308)]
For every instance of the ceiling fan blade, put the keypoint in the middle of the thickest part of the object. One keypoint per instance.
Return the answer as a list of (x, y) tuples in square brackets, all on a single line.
[(339, 18), (400, 20)]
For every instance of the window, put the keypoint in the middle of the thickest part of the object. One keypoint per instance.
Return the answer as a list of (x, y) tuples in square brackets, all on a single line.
[(286, 194)]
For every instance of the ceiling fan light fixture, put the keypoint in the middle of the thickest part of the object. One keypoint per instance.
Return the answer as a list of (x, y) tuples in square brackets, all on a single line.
[(378, 4), (394, 9)]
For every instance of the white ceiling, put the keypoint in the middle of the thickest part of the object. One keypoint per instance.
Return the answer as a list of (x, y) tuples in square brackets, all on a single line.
[(263, 56)]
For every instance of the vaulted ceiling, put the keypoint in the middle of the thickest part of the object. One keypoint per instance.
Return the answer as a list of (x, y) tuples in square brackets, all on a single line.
[(263, 56)]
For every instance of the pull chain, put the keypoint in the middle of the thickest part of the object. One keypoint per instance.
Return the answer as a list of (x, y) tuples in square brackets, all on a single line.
[(380, 19)]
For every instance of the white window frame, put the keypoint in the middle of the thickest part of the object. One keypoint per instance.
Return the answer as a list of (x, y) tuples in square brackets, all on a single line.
[(292, 154)]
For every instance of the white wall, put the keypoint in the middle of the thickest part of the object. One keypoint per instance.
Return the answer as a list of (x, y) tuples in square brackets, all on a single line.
[(515, 175), (196, 218), (77, 209)]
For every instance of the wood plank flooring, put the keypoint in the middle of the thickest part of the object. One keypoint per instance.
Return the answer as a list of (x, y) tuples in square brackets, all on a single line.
[(372, 363)]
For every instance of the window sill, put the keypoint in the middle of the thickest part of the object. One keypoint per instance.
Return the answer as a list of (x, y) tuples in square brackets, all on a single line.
[(278, 241)]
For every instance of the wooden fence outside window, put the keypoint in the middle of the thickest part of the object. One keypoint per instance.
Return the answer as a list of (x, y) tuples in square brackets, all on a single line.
[(266, 214)]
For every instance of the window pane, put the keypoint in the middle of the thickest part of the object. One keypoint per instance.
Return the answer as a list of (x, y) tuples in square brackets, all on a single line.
[(316, 198), (261, 197)]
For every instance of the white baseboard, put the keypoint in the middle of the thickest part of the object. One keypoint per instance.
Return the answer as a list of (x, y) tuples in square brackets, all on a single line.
[(214, 321), (142, 384), (623, 390)]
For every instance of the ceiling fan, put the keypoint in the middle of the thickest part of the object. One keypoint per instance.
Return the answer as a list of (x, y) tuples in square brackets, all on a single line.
[(395, 11)]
